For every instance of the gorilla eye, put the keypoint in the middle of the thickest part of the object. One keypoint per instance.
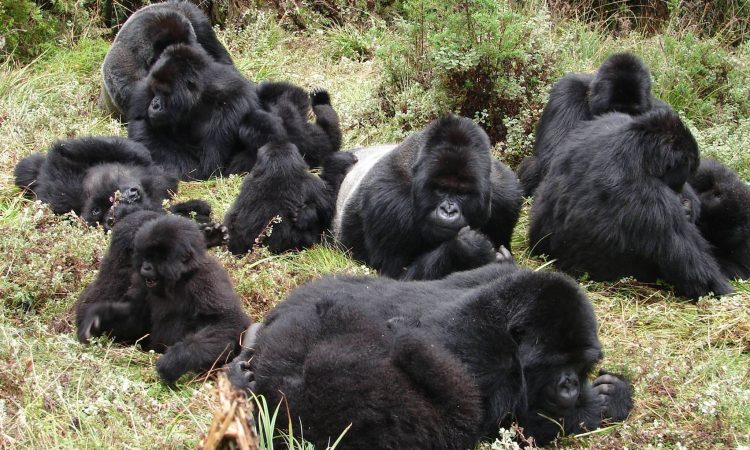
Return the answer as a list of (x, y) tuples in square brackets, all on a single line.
[(191, 86), (96, 210)]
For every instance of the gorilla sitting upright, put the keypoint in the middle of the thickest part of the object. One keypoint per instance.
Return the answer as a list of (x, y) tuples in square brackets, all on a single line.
[(527, 339), (434, 204)]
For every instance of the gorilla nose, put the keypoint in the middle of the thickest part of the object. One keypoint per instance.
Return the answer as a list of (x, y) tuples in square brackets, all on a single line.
[(147, 270), (156, 104), (131, 195), (567, 390), (448, 211)]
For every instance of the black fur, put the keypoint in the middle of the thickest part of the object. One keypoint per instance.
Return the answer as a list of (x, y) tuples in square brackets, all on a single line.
[(608, 206), (621, 84), (178, 295), (724, 216), (280, 185), (528, 339), (189, 111), (82, 175), (437, 203), (141, 40)]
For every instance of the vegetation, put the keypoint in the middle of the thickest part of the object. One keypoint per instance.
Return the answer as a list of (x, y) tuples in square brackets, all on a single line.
[(388, 75)]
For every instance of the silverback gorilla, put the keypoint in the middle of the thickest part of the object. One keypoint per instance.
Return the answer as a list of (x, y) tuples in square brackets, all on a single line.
[(141, 40), (82, 175), (608, 205), (621, 84), (527, 339), (179, 300), (434, 204)]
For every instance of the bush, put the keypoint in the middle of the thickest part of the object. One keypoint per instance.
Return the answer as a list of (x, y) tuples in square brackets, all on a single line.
[(24, 29)]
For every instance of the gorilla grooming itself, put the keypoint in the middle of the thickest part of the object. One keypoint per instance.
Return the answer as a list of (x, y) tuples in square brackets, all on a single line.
[(188, 111), (609, 205), (180, 300), (141, 40), (280, 184), (434, 204), (527, 339), (395, 386), (621, 84), (724, 218), (82, 175)]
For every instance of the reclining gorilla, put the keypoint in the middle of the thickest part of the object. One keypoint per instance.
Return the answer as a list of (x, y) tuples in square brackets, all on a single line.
[(609, 205), (621, 84), (172, 297), (141, 40), (527, 339), (82, 175), (434, 204), (724, 218)]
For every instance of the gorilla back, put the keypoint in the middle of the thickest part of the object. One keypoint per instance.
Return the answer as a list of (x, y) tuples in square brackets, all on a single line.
[(434, 204)]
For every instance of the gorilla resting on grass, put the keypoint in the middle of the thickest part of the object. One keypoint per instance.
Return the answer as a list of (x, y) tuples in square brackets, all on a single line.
[(435, 204), (527, 339), (622, 84), (141, 40), (83, 175), (609, 205), (179, 302), (724, 216)]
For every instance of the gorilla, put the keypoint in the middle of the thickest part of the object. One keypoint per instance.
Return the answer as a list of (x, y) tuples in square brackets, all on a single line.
[(393, 384), (91, 175), (621, 84), (724, 218), (527, 339), (434, 204), (188, 111), (179, 302), (280, 185), (609, 205), (141, 40)]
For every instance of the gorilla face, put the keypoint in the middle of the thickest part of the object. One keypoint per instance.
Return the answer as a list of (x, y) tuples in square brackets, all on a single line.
[(108, 185), (176, 83)]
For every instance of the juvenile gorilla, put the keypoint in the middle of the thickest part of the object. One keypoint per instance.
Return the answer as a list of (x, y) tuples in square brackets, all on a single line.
[(82, 175), (434, 204), (141, 40), (179, 298), (621, 84), (188, 111), (608, 207), (280, 185), (527, 339), (341, 366), (724, 216)]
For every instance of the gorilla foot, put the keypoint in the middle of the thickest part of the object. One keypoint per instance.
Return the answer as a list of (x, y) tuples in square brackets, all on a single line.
[(216, 235), (320, 96)]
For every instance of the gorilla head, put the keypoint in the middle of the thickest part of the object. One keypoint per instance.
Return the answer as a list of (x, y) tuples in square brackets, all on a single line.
[(621, 84), (451, 187)]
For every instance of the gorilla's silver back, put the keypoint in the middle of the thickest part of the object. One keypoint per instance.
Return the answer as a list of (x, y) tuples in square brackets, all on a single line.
[(367, 157)]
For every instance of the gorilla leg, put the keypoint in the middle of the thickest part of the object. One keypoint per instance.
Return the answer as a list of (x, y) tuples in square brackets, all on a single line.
[(207, 348), (326, 117)]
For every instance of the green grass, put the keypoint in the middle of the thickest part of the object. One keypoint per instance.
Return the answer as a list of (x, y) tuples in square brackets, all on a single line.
[(689, 362)]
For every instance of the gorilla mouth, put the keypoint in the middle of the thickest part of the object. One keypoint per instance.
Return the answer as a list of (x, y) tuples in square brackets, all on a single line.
[(151, 283)]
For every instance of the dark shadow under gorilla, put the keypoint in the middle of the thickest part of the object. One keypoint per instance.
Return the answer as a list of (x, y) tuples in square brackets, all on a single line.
[(724, 218), (280, 185), (608, 205), (341, 366), (189, 110), (83, 175), (141, 40), (528, 339), (621, 84), (179, 300), (434, 204)]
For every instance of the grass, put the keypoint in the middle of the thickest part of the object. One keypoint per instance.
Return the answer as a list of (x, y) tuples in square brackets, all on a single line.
[(689, 362)]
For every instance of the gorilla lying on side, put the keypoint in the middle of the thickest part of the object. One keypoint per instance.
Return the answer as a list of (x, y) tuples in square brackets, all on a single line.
[(724, 216), (82, 175), (608, 205), (394, 385), (280, 184), (141, 40), (434, 204), (621, 84), (188, 111), (179, 300), (528, 339)]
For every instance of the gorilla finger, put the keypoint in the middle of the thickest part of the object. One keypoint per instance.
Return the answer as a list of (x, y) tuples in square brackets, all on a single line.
[(605, 389), (606, 379)]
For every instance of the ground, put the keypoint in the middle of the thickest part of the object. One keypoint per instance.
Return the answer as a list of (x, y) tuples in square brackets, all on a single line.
[(690, 362)]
